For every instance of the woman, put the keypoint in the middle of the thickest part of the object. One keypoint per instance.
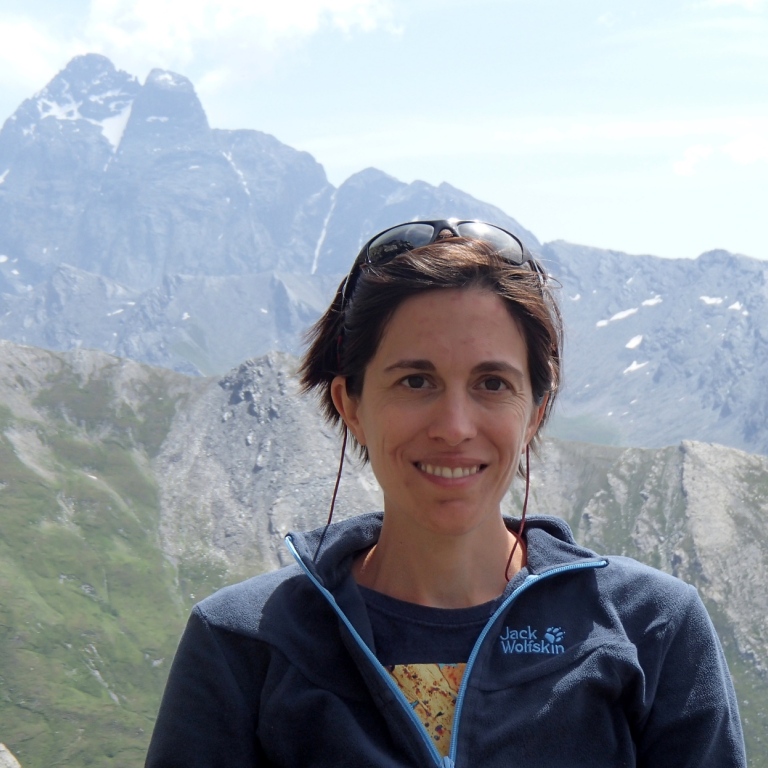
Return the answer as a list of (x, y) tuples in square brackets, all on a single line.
[(439, 632)]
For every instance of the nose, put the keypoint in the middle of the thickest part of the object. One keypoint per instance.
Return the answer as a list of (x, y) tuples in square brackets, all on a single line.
[(452, 419)]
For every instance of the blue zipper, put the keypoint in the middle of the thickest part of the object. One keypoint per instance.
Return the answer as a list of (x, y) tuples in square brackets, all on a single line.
[(440, 761), (385, 676)]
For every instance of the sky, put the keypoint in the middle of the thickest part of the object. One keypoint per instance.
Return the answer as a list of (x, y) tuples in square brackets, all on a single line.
[(638, 127)]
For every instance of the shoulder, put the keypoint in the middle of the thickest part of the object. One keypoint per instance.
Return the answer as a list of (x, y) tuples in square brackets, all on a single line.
[(627, 575), (241, 607), (649, 601), (640, 597)]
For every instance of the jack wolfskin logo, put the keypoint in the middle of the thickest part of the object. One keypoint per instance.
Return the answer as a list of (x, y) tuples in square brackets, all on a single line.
[(554, 635), (527, 640)]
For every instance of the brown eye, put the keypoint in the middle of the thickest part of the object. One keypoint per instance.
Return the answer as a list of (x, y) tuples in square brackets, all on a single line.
[(494, 384), (415, 382)]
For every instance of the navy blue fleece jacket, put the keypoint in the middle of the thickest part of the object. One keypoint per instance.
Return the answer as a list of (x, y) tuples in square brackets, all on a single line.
[(589, 662)]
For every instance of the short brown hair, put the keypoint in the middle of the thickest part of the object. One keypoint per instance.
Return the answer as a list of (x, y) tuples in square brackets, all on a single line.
[(345, 339)]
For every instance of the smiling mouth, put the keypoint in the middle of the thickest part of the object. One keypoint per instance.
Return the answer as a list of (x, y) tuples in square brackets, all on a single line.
[(452, 473)]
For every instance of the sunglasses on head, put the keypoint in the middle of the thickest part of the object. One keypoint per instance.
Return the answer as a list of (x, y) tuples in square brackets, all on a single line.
[(390, 243)]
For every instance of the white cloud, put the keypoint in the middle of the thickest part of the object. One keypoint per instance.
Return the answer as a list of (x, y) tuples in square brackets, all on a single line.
[(691, 158), (599, 130), (750, 5), (214, 41), (748, 148), (29, 55), (173, 32)]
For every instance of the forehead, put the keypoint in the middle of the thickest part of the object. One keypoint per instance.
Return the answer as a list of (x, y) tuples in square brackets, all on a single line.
[(473, 324)]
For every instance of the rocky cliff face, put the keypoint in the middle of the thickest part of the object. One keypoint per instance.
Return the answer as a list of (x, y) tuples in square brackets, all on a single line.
[(246, 462), (7, 760)]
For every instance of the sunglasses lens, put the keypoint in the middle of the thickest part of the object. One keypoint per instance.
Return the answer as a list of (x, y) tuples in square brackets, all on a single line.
[(502, 241), (395, 241)]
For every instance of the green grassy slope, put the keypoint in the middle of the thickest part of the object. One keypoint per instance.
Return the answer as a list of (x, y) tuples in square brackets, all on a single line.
[(89, 609)]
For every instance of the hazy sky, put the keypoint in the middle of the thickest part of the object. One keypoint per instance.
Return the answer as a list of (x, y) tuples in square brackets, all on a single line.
[(641, 127)]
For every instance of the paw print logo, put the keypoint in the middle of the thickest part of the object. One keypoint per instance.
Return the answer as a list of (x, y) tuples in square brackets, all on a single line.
[(554, 635)]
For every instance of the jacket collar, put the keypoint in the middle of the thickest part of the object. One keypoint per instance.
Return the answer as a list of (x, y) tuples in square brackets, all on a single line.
[(549, 541)]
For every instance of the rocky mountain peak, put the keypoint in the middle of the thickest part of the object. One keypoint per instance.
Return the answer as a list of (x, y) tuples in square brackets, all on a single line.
[(90, 86), (166, 116), (168, 97), (88, 90), (166, 80)]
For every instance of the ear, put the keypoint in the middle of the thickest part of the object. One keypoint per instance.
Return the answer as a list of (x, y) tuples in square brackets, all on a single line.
[(537, 414), (347, 407)]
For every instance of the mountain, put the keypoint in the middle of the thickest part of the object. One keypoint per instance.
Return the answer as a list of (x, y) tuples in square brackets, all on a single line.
[(660, 350), (128, 492), (90, 608), (152, 233), (128, 224)]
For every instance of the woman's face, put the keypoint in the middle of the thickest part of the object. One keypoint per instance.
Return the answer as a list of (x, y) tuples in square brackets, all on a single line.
[(445, 411)]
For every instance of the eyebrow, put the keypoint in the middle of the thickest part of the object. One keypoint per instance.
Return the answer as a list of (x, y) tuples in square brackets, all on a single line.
[(411, 365), (498, 366), (488, 366)]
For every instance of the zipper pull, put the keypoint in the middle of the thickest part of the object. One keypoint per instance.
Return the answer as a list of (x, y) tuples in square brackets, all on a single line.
[(447, 763)]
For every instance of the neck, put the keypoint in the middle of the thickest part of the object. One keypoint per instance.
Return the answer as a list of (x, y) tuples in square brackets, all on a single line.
[(440, 571)]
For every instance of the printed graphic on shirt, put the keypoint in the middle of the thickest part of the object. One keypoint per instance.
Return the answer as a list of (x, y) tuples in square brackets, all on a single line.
[(431, 690), (529, 640)]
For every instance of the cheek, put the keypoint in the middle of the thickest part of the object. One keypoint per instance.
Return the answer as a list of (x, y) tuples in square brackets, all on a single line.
[(393, 432), (515, 432)]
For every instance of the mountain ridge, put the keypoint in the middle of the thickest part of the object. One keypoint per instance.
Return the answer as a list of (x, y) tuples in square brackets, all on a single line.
[(196, 248)]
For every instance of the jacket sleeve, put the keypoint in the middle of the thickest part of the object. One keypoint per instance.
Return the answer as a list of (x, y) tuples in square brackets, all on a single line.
[(206, 720), (694, 719)]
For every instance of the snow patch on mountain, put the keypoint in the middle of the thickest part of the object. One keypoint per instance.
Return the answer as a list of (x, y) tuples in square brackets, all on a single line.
[(100, 98), (635, 367), (69, 110), (625, 313), (113, 128), (323, 232), (167, 78), (240, 174)]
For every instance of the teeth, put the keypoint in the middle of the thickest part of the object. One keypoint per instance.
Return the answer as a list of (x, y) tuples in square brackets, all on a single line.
[(448, 472)]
